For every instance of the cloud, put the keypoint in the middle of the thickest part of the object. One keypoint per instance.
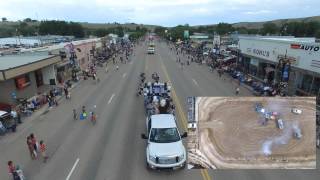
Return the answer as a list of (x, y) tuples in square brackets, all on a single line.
[(201, 11), (259, 12), (160, 12)]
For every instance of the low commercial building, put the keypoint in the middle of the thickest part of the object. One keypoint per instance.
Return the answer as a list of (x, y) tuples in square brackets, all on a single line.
[(78, 54), (291, 63), (26, 74), (199, 38)]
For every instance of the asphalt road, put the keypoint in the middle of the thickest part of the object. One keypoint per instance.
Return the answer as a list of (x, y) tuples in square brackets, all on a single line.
[(112, 149)]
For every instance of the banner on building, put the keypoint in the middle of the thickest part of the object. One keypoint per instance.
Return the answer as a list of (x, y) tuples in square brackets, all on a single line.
[(69, 48)]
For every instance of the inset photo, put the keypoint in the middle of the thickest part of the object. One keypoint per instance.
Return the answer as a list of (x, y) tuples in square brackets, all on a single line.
[(252, 132)]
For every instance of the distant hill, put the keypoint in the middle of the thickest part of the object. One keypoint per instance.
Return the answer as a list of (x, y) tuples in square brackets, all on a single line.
[(278, 22), (110, 25), (87, 25)]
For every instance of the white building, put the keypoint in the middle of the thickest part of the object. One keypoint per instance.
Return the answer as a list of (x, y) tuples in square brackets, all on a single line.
[(292, 62)]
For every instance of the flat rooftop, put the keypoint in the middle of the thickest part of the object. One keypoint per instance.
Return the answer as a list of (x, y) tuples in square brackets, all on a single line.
[(307, 40), (289, 39), (16, 60)]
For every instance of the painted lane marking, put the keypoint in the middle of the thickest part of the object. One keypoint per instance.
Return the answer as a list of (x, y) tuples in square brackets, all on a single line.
[(204, 173), (195, 82), (73, 168), (111, 98)]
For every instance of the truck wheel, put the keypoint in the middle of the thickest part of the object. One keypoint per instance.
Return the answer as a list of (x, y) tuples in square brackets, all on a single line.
[(147, 165)]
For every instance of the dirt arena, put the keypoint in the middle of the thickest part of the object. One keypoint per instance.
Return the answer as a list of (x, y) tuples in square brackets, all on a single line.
[(231, 134)]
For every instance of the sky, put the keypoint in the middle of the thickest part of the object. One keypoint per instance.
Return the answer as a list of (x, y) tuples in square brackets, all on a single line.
[(159, 12)]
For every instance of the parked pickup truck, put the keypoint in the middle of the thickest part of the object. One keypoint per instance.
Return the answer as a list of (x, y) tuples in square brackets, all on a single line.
[(164, 143)]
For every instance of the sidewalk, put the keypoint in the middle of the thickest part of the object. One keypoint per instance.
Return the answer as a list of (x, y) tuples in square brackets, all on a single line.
[(243, 85), (27, 121)]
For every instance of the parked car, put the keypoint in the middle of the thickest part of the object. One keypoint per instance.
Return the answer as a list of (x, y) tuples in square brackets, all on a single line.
[(296, 111), (280, 124), (7, 121), (297, 132)]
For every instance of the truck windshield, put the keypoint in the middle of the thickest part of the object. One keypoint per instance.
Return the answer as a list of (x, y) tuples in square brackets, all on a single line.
[(164, 135)]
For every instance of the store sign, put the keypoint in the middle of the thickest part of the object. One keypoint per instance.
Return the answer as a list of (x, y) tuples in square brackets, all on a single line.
[(22, 82), (305, 47), (260, 52)]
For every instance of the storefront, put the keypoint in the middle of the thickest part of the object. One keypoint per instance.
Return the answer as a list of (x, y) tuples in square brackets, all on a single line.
[(29, 75), (293, 63), (79, 52)]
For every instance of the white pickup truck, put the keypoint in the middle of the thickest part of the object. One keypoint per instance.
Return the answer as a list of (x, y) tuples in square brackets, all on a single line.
[(150, 50), (164, 147)]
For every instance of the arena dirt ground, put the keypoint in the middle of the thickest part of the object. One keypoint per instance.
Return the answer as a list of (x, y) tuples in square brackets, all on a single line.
[(231, 135)]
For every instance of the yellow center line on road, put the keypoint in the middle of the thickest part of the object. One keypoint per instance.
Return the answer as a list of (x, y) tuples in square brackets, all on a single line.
[(145, 64), (183, 119), (205, 174), (184, 122)]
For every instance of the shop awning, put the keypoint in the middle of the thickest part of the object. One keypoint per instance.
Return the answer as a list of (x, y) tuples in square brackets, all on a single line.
[(62, 64)]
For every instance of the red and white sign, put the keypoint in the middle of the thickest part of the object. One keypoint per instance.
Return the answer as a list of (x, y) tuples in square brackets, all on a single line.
[(295, 46), (305, 47)]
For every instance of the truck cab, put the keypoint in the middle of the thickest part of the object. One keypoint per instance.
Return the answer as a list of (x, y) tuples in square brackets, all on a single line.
[(151, 49), (164, 143)]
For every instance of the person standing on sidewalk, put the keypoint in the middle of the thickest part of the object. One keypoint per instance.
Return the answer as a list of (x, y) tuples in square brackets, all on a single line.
[(12, 170), (32, 151), (237, 91), (16, 172), (66, 91), (106, 68), (43, 151), (34, 142)]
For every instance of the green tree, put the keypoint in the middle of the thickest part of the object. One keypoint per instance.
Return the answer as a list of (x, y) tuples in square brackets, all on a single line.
[(296, 29), (27, 20), (242, 30), (4, 19), (224, 28), (101, 32), (160, 31), (61, 28), (253, 31), (7, 31), (270, 28), (25, 29), (311, 28), (76, 30), (317, 34)]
